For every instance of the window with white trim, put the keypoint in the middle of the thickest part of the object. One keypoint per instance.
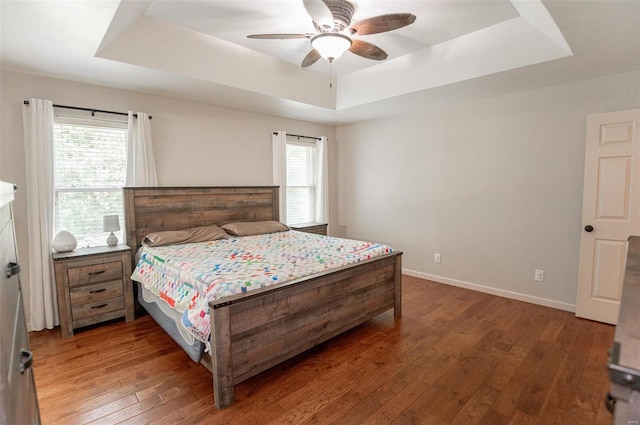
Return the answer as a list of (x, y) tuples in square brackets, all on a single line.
[(302, 180), (90, 160)]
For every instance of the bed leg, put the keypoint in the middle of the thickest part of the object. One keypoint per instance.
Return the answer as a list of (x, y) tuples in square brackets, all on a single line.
[(222, 363), (397, 308)]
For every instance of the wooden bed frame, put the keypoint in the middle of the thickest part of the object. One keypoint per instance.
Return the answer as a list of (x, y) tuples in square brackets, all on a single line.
[(257, 330)]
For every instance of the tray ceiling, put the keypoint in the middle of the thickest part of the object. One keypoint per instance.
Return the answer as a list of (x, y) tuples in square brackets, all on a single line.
[(199, 50)]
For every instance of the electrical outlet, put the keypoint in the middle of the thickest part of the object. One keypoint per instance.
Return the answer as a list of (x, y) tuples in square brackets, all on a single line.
[(436, 257), (539, 275)]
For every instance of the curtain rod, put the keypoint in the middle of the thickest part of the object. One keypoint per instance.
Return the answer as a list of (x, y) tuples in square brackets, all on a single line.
[(297, 135), (93, 111)]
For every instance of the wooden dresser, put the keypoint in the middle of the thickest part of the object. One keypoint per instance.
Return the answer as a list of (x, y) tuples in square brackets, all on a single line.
[(18, 400), (93, 286)]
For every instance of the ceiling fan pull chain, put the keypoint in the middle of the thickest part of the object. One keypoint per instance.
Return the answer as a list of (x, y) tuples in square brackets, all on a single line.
[(330, 83)]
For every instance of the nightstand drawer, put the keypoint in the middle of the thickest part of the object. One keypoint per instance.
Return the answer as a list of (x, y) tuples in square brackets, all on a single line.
[(94, 273), (97, 308), (96, 292)]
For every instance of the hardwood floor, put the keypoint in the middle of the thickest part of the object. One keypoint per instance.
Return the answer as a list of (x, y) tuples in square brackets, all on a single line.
[(455, 357)]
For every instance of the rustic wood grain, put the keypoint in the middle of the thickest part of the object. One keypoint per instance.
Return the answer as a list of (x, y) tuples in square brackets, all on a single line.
[(93, 286), (266, 328), (80, 275), (96, 292), (173, 208), (317, 228)]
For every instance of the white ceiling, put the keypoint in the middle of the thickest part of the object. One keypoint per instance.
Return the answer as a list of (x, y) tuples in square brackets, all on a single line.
[(198, 50)]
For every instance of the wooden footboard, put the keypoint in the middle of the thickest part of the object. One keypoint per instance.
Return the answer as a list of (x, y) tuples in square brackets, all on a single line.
[(255, 331)]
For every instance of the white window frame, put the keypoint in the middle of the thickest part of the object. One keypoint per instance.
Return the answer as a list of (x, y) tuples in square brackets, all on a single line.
[(58, 190), (279, 141), (313, 187)]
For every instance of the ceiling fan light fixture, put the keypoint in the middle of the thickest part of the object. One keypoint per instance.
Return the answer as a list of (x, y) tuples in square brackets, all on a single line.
[(331, 45)]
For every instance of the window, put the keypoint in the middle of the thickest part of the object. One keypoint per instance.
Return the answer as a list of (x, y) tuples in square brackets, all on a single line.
[(90, 160), (300, 170), (302, 177)]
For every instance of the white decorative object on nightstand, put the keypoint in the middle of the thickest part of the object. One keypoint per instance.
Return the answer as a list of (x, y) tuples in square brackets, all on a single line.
[(64, 242)]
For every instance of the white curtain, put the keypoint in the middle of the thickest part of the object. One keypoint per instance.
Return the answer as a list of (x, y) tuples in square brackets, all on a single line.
[(322, 190), (279, 145), (37, 119), (141, 165)]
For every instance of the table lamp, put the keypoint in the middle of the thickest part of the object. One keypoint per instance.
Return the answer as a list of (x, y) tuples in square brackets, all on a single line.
[(111, 224)]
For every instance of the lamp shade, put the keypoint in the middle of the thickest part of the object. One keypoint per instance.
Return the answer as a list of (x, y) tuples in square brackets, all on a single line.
[(331, 45), (110, 223)]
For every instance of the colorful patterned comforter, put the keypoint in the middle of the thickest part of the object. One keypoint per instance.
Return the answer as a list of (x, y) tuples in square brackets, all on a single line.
[(188, 276)]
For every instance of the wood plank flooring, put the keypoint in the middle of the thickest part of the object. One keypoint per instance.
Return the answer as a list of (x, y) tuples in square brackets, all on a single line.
[(455, 357)]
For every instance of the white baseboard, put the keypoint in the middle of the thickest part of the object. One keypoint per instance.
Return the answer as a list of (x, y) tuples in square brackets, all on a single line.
[(493, 291)]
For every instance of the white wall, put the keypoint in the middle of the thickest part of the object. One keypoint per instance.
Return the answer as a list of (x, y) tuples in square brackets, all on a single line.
[(195, 144), (495, 186)]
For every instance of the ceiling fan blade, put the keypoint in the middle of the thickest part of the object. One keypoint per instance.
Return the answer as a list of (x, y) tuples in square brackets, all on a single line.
[(383, 23), (320, 13), (367, 50), (311, 58), (279, 36)]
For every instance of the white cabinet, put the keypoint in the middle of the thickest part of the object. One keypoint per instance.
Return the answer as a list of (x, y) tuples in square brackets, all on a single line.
[(18, 400)]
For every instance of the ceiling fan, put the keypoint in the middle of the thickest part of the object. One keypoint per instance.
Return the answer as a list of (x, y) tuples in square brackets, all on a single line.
[(332, 20)]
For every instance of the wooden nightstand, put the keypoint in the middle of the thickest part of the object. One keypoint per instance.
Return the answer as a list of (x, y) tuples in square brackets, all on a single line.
[(93, 286), (317, 228)]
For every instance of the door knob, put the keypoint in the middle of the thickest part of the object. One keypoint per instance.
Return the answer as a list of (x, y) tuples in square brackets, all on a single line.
[(588, 228)]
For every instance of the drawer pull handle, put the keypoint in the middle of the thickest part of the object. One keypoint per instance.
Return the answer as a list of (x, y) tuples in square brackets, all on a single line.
[(26, 360), (98, 272), (97, 291), (99, 306), (12, 269)]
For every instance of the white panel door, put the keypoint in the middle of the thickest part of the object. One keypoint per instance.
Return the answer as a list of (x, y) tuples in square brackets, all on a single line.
[(610, 211)]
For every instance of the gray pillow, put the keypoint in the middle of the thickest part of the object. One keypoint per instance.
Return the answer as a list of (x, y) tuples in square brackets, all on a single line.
[(249, 228), (191, 235)]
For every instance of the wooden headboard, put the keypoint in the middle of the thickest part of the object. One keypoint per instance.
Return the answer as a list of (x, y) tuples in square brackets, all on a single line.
[(153, 209)]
